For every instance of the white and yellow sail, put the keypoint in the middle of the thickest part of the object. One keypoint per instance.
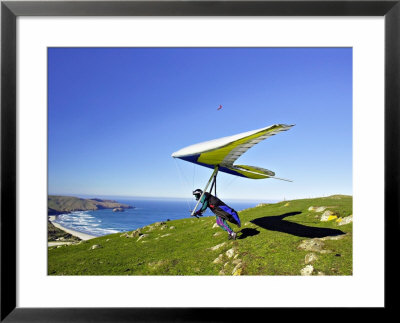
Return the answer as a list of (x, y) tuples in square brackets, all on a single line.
[(223, 152)]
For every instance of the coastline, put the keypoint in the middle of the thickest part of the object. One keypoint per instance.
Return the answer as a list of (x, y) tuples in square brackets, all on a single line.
[(80, 235)]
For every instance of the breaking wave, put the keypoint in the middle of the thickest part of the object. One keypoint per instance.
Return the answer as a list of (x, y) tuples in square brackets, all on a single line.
[(84, 222)]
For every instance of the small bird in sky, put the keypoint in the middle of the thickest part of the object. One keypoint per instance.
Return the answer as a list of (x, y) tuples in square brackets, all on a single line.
[(220, 107)]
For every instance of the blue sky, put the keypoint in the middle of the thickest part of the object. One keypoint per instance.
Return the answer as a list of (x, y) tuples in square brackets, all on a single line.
[(115, 116)]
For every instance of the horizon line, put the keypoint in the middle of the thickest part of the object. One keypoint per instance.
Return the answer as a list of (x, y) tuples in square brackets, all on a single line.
[(187, 198)]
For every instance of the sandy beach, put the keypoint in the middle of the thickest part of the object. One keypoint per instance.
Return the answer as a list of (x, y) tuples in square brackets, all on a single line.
[(78, 234)]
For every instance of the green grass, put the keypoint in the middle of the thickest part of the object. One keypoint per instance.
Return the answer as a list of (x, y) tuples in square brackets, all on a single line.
[(267, 245)]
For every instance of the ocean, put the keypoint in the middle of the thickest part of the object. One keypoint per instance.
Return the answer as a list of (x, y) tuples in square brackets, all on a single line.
[(145, 212)]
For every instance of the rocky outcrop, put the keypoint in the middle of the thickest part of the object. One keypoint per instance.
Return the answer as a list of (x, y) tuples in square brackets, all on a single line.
[(232, 265), (317, 208), (230, 253), (307, 270), (142, 237), (118, 209), (328, 216), (310, 258), (219, 259), (158, 224), (218, 246), (346, 220), (338, 237), (95, 246), (237, 271), (133, 234), (315, 245), (155, 265)]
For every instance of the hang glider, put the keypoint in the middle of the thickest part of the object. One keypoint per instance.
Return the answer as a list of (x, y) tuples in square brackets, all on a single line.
[(220, 154), (223, 152)]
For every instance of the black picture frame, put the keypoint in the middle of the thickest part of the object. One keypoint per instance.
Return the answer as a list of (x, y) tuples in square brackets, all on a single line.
[(10, 10)]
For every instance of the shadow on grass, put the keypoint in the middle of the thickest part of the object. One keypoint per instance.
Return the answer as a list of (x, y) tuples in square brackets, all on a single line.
[(277, 223), (248, 232)]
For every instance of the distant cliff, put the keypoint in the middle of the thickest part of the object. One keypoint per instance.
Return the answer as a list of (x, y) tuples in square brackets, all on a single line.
[(64, 204)]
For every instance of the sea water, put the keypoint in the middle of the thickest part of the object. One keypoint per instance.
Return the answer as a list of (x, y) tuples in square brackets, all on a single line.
[(144, 212)]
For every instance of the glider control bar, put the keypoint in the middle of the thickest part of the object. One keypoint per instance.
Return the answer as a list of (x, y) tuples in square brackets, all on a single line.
[(205, 189)]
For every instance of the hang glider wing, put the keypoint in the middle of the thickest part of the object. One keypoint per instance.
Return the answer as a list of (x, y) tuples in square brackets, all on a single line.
[(223, 152)]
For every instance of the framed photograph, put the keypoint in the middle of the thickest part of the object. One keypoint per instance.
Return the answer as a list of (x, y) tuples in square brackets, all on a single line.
[(127, 133)]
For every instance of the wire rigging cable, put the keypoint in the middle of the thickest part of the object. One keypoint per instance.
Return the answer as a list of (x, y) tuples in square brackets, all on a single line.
[(185, 183)]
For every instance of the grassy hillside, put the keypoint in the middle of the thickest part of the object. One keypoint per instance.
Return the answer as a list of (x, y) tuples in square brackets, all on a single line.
[(285, 238), (60, 204)]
